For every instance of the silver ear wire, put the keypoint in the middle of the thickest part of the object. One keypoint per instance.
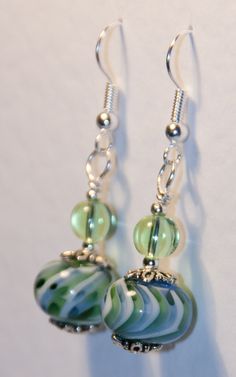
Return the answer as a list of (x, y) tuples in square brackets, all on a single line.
[(104, 119), (98, 47), (103, 153), (176, 133), (173, 130), (169, 55)]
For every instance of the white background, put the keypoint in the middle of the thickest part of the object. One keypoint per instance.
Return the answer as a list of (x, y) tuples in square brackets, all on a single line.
[(50, 92)]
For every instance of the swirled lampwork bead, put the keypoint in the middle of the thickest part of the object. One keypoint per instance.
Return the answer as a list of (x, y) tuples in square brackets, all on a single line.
[(145, 315), (72, 294)]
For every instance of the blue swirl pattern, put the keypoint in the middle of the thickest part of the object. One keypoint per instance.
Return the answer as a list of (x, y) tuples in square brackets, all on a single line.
[(73, 294), (153, 312)]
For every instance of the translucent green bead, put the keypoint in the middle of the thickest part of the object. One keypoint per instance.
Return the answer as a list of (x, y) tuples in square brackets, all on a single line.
[(156, 236), (92, 221)]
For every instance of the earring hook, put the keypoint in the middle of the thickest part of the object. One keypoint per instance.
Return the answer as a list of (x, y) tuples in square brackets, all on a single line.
[(101, 38), (169, 55)]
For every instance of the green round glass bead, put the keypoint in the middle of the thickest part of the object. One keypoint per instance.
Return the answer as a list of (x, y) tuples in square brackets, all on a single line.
[(92, 221), (156, 236)]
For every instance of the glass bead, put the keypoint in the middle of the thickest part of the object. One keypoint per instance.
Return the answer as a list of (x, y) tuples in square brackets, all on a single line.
[(73, 294), (153, 313), (92, 221), (156, 236)]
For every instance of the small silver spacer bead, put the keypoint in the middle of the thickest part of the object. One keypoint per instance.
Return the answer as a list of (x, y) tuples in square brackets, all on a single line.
[(177, 133), (149, 262), (156, 208), (103, 120), (88, 246), (92, 194)]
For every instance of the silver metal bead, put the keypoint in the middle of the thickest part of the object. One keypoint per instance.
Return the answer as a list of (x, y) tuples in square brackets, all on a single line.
[(87, 246), (92, 194), (156, 208), (103, 120), (177, 133), (149, 262)]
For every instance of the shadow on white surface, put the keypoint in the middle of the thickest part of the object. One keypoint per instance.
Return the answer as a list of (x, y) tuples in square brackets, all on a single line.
[(198, 354), (106, 359), (119, 189), (200, 349)]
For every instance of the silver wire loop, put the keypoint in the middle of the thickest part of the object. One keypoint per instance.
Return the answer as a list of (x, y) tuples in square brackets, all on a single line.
[(178, 104), (174, 148), (100, 161), (111, 90), (173, 153), (94, 175), (163, 183), (98, 47), (103, 141), (169, 56), (167, 172)]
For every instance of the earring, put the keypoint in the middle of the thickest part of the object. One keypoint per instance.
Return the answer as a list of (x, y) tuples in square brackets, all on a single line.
[(147, 309), (72, 289)]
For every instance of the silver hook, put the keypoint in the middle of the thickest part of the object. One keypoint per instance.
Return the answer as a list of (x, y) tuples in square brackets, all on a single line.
[(169, 54), (101, 38)]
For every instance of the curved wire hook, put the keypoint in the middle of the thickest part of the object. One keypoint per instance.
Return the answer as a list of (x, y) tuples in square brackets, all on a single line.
[(101, 38), (169, 54)]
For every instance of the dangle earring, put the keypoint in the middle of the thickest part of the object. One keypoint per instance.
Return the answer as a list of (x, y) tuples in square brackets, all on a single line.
[(147, 309), (71, 290)]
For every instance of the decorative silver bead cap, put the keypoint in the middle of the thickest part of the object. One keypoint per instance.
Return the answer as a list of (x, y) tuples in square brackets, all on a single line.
[(135, 346), (148, 274), (87, 254), (75, 329)]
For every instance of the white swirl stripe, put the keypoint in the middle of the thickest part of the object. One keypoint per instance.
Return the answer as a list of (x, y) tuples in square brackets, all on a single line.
[(73, 294), (153, 312)]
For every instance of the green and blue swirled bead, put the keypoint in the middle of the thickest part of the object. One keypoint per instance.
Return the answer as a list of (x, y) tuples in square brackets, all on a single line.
[(72, 292), (149, 311), (152, 312)]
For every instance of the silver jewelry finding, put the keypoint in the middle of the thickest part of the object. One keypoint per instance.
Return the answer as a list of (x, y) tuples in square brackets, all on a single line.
[(75, 329), (149, 273), (84, 255), (107, 120), (175, 131), (135, 346)]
